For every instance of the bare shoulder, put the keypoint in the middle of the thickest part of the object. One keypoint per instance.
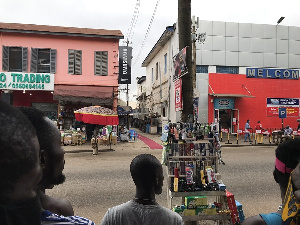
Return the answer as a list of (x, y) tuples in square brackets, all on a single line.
[(58, 206), (254, 220)]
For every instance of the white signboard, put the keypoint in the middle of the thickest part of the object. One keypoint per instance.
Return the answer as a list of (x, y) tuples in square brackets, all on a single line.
[(26, 81)]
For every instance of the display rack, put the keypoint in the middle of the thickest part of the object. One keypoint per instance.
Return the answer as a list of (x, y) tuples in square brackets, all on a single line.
[(188, 153)]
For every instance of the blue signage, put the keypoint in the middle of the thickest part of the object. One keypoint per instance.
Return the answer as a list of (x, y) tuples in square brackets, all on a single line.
[(282, 113), (283, 102), (224, 103), (272, 73)]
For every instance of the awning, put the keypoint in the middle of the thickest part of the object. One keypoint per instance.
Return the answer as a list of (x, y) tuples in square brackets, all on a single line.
[(231, 95), (124, 110), (97, 95)]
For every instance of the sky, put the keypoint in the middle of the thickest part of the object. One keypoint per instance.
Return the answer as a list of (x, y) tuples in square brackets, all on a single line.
[(119, 14)]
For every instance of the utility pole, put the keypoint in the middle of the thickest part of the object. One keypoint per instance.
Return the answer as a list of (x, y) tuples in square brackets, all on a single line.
[(185, 40)]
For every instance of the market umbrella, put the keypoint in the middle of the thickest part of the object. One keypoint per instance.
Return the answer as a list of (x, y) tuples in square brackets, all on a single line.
[(97, 115)]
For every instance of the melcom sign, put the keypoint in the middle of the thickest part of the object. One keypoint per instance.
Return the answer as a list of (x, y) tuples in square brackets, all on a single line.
[(26, 81), (272, 73)]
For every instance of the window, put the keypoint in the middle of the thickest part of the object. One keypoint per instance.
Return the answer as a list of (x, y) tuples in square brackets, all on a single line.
[(101, 63), (228, 69), (156, 72), (14, 59), (166, 62), (152, 76), (43, 60), (74, 64), (201, 69)]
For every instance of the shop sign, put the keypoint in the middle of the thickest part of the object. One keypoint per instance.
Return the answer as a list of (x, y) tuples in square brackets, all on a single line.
[(290, 104), (125, 55), (224, 103), (26, 81), (178, 95), (272, 73)]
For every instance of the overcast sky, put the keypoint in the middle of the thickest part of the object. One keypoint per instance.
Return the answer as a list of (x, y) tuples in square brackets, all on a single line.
[(118, 14)]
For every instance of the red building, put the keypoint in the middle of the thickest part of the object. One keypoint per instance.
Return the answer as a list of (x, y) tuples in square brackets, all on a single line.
[(235, 98)]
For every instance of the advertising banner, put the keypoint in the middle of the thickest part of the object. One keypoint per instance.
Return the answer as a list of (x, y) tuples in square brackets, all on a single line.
[(125, 53), (26, 81), (195, 104), (178, 95), (179, 63), (291, 105)]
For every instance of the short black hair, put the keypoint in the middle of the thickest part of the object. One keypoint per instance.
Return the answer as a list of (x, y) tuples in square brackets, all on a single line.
[(17, 149), (143, 169), (288, 152), (37, 118)]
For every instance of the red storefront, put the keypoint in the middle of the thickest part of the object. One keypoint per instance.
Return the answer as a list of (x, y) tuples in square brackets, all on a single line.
[(251, 98)]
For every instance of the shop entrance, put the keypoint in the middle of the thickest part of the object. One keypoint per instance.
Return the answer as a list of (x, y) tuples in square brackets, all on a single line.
[(227, 119)]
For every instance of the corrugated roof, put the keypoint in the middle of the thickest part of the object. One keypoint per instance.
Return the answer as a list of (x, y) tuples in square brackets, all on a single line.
[(57, 30)]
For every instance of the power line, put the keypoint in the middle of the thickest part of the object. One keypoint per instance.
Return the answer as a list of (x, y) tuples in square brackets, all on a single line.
[(133, 21), (147, 33)]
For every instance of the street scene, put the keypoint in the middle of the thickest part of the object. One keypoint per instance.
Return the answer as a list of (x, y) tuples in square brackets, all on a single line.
[(95, 183), (150, 112)]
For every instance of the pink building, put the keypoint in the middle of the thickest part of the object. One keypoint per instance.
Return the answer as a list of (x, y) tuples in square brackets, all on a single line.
[(58, 69)]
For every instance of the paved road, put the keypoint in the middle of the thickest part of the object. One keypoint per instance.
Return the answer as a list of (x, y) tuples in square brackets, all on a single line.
[(95, 183)]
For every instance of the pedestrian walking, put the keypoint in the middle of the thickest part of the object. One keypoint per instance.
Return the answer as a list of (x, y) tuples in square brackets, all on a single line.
[(247, 131)]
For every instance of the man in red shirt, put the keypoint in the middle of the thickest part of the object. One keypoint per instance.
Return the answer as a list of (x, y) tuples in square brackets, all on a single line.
[(259, 134)]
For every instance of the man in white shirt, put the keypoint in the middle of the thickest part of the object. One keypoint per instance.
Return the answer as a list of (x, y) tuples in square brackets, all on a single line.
[(147, 174)]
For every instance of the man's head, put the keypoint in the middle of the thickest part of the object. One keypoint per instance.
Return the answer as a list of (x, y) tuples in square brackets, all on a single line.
[(248, 121), (147, 173), (258, 121), (50, 145), (20, 170), (287, 156)]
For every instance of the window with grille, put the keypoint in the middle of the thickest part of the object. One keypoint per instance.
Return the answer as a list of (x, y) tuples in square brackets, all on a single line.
[(101, 63), (152, 75), (75, 62), (228, 69), (14, 59), (43, 60), (201, 69)]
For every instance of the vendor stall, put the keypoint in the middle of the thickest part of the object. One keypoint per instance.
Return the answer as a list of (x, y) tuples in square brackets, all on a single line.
[(98, 115)]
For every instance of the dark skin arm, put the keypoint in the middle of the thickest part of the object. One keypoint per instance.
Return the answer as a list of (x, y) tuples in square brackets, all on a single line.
[(296, 182), (254, 220)]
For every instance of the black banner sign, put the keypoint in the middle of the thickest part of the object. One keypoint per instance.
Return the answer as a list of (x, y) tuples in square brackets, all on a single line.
[(125, 53)]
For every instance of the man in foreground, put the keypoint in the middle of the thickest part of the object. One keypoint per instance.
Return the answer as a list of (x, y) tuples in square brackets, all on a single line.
[(20, 170), (147, 174), (52, 156)]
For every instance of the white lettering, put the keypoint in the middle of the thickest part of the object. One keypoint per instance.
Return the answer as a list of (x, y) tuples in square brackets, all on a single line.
[(286, 72), (260, 72), (295, 74), (276, 71), (251, 73)]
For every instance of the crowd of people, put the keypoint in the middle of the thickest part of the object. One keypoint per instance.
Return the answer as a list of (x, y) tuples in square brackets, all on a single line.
[(32, 160)]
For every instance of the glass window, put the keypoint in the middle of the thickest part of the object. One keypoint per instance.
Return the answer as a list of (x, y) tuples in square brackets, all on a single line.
[(166, 62), (228, 69), (201, 69), (14, 59), (43, 60)]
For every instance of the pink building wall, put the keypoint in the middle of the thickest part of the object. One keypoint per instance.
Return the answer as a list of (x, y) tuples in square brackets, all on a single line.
[(62, 44), (88, 45)]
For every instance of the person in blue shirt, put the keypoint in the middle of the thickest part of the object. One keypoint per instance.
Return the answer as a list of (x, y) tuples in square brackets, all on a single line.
[(247, 131), (287, 158)]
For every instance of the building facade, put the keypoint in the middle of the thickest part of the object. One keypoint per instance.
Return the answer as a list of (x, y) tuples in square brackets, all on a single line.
[(59, 69), (240, 69)]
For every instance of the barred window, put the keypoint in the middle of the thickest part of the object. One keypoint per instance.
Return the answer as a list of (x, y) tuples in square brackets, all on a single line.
[(101, 63)]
